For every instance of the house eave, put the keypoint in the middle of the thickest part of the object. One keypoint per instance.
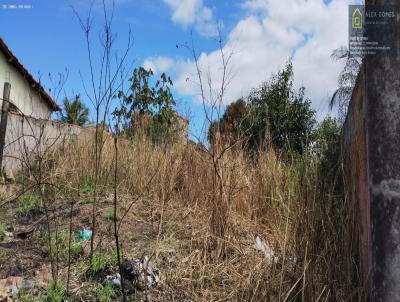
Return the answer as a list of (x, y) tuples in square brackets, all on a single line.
[(35, 85)]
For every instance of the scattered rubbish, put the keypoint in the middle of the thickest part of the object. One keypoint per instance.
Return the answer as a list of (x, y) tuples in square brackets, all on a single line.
[(114, 280), (85, 234), (11, 234), (264, 248), (9, 176), (293, 260), (24, 234), (6, 237), (141, 272), (10, 286), (8, 234)]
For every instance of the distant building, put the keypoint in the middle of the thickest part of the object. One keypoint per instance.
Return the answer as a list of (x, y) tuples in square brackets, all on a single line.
[(183, 127), (28, 121), (142, 122), (27, 95)]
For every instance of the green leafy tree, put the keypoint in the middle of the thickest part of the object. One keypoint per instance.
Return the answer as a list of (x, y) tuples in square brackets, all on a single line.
[(328, 137), (75, 112), (279, 115), (229, 125), (346, 80), (147, 100)]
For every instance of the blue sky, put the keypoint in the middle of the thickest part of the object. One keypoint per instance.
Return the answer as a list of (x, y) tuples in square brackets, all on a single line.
[(260, 34)]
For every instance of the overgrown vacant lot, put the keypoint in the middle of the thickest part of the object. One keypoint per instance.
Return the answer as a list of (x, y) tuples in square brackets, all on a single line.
[(197, 224)]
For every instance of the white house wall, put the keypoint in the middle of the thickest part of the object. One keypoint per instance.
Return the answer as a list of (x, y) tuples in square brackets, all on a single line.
[(27, 136), (21, 95)]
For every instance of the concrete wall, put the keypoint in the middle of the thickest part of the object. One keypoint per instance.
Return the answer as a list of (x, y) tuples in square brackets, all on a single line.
[(26, 136), (372, 155), (22, 96)]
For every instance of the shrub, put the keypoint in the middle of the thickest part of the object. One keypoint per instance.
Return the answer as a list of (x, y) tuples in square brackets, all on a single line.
[(105, 293), (2, 229), (328, 149), (27, 296), (109, 214), (279, 115), (26, 203), (60, 243), (55, 292), (86, 184), (101, 260), (86, 201)]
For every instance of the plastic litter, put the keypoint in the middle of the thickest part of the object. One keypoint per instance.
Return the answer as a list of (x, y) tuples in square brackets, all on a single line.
[(264, 248), (85, 234), (8, 234), (114, 280), (10, 287), (141, 272)]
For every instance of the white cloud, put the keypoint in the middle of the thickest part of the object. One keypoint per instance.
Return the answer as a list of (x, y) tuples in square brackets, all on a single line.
[(158, 64), (262, 41), (194, 13)]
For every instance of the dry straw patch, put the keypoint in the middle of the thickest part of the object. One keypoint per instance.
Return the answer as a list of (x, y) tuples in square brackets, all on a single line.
[(169, 191)]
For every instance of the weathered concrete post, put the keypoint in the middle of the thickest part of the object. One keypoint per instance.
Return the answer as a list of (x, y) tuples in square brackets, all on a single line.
[(382, 98), (4, 116)]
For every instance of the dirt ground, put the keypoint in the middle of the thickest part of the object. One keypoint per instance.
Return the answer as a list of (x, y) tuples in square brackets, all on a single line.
[(178, 247)]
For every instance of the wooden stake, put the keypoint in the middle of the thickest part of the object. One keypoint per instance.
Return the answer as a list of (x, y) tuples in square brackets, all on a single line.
[(4, 115)]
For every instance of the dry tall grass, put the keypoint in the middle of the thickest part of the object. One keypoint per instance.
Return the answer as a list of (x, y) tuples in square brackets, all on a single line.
[(311, 234)]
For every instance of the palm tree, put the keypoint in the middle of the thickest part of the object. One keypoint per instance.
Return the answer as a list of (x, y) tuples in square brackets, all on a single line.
[(75, 112), (346, 81)]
